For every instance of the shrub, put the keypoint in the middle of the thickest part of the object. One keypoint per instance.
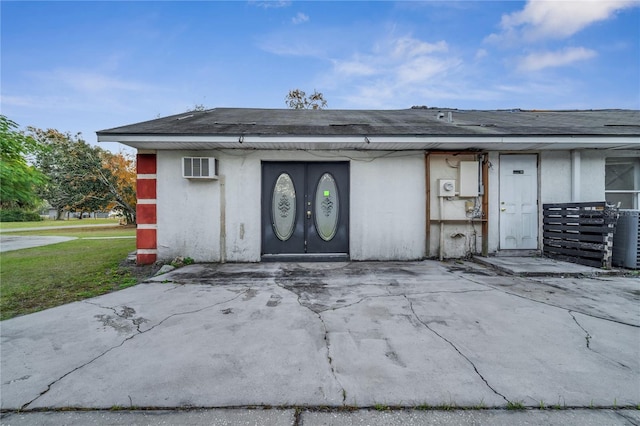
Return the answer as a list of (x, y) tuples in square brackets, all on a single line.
[(18, 215)]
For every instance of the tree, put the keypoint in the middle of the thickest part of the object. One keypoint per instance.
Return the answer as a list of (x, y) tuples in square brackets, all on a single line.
[(73, 169), (298, 99), (119, 174), (18, 179), (197, 108), (83, 178)]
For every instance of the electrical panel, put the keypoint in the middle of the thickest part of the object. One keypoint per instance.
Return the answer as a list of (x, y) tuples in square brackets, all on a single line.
[(446, 187), (469, 172)]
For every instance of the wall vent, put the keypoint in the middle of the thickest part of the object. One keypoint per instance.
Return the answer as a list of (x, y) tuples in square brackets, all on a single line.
[(626, 240), (199, 168)]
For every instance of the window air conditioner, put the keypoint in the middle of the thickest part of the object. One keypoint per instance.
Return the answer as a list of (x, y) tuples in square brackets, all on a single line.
[(199, 168)]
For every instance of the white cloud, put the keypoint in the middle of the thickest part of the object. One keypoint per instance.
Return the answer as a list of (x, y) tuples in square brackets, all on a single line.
[(286, 44), (543, 19), (405, 60), (300, 18), (540, 60), (424, 70), (354, 68), (89, 81), (481, 53), (271, 4), (21, 101), (393, 71), (407, 47)]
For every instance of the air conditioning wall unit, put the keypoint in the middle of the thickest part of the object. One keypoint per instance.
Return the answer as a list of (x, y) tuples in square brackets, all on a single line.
[(199, 167), (626, 240)]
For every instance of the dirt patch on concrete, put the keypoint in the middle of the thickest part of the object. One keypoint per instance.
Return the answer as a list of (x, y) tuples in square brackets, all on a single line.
[(140, 272)]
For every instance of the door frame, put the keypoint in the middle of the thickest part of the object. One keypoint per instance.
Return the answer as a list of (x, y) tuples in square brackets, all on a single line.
[(538, 205), (306, 185)]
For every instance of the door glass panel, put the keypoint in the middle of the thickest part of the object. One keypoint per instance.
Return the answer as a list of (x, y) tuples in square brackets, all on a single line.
[(326, 213), (283, 207)]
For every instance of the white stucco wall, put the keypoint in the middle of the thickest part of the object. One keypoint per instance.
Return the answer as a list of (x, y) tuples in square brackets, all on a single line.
[(555, 176), (214, 221), (592, 170), (242, 177), (388, 204), (220, 220), (187, 211)]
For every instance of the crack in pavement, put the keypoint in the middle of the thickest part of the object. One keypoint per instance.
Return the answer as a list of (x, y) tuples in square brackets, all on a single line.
[(326, 339), (454, 347), (50, 385), (549, 304), (389, 294), (627, 418), (318, 312), (587, 335), (126, 313)]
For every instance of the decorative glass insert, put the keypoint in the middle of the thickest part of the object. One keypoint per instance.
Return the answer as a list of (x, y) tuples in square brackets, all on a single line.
[(283, 207), (326, 207)]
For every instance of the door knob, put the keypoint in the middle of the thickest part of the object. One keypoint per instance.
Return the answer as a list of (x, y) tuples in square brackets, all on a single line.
[(308, 214)]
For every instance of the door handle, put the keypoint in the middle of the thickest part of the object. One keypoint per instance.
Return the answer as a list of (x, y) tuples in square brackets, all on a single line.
[(504, 209), (308, 214)]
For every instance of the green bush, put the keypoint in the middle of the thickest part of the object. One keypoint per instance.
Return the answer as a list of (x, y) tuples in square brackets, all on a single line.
[(18, 215)]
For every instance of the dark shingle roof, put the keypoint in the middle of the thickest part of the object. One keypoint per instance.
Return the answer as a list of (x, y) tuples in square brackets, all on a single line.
[(408, 122)]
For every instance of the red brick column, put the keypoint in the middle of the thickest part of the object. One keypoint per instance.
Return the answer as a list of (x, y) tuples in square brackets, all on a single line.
[(146, 232)]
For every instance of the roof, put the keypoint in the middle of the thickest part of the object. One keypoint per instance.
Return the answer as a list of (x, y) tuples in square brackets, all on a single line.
[(415, 128)]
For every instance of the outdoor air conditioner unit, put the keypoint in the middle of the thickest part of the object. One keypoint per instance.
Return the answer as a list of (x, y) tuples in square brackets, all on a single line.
[(199, 168), (626, 240)]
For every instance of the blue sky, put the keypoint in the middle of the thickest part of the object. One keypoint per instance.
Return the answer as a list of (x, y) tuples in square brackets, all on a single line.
[(83, 66)]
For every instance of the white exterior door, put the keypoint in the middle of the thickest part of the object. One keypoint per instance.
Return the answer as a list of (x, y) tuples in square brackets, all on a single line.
[(518, 202)]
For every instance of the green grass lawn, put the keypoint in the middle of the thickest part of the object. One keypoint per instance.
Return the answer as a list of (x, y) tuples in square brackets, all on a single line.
[(43, 277), (72, 231), (70, 222)]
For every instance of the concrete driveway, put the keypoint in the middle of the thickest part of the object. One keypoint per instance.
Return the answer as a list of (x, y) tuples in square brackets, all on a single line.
[(15, 242), (410, 334)]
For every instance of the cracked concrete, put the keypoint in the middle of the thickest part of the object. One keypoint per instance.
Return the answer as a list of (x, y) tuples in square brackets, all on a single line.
[(324, 327), (475, 368), (332, 334)]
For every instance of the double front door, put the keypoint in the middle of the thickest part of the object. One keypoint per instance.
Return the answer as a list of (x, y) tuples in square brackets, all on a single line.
[(305, 208)]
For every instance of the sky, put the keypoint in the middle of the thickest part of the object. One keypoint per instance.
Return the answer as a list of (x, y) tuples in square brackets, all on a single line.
[(84, 66)]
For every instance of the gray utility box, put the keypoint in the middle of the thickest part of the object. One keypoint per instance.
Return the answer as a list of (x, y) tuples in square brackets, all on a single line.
[(626, 241)]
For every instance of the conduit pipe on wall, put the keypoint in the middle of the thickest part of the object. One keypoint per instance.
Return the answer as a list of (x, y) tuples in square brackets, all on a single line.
[(441, 248), (223, 220), (575, 176)]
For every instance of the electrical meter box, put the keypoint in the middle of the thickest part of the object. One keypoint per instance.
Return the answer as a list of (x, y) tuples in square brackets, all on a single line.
[(469, 183), (446, 187)]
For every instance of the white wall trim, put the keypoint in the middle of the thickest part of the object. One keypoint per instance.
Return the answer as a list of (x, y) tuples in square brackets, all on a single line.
[(146, 251), (147, 226)]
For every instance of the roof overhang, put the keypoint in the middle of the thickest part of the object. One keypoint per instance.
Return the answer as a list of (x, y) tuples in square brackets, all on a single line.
[(386, 143)]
